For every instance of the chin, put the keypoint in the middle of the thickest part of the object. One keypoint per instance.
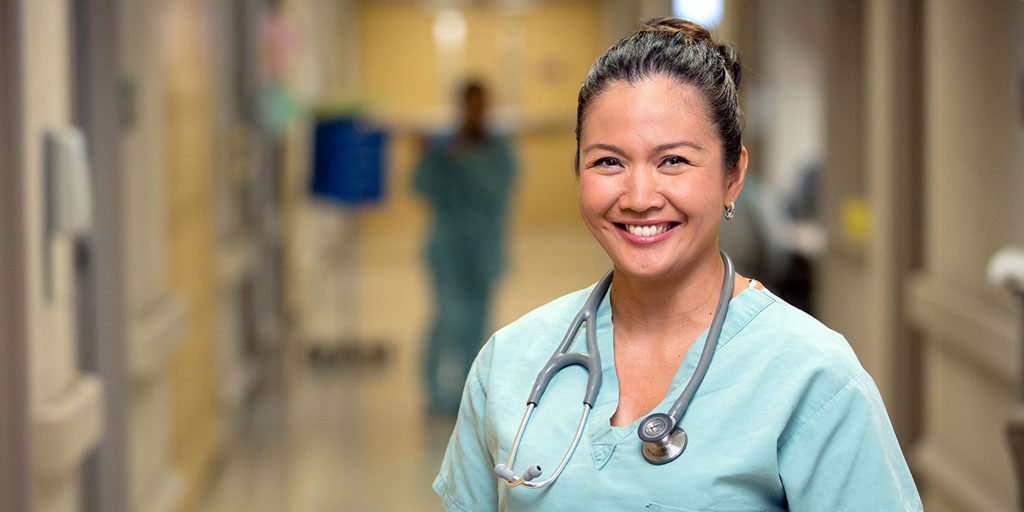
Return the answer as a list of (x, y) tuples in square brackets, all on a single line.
[(645, 273)]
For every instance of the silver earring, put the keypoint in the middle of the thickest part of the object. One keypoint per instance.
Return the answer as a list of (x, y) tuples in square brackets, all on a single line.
[(730, 210)]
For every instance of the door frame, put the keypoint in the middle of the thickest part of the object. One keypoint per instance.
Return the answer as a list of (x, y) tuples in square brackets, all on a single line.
[(15, 475), (99, 106)]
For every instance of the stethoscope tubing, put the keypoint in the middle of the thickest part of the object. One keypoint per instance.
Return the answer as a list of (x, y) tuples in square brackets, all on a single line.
[(562, 358), (591, 361), (513, 480), (679, 407)]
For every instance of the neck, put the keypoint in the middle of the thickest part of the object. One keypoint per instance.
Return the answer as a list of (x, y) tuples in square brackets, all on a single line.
[(660, 307), (472, 133)]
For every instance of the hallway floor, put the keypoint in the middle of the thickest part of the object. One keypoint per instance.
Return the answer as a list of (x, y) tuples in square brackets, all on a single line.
[(333, 436)]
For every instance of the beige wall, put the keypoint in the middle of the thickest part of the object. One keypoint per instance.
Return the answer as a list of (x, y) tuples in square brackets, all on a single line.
[(51, 339), (917, 288), (972, 159), (196, 410), (47, 107)]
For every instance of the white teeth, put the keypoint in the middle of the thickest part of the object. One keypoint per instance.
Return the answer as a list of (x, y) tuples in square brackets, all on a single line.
[(646, 231)]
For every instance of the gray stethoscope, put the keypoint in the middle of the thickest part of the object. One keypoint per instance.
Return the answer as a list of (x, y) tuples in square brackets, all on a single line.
[(663, 438)]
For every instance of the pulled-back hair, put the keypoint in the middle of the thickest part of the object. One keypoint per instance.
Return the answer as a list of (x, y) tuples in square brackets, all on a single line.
[(681, 50)]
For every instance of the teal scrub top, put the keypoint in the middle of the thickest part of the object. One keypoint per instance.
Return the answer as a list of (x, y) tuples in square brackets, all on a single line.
[(469, 187), (785, 419)]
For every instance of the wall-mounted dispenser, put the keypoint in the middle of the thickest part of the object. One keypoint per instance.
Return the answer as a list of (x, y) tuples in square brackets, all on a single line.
[(68, 184), (68, 189)]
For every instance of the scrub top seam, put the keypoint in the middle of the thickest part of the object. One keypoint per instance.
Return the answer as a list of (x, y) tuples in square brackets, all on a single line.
[(763, 304), (804, 424)]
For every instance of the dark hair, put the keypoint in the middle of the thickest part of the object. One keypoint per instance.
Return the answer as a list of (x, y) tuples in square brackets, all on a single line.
[(472, 86), (681, 50)]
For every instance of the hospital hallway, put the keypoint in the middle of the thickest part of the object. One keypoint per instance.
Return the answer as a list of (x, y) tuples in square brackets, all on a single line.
[(215, 288), (353, 434)]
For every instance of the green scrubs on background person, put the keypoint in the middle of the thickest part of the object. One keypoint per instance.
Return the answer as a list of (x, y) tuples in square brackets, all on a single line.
[(467, 179)]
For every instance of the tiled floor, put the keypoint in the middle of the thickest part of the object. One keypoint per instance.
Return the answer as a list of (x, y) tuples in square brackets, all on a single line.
[(338, 437)]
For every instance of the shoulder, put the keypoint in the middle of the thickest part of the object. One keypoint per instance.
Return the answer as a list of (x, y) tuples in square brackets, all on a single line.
[(531, 339), (500, 141), (798, 361), (543, 323), (510, 361), (810, 368), (435, 144), (827, 406), (798, 339)]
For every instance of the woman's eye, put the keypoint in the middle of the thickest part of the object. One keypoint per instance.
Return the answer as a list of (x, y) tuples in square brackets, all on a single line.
[(607, 161), (675, 160)]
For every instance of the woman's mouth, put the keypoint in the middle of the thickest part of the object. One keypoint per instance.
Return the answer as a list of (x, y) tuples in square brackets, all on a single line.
[(647, 231)]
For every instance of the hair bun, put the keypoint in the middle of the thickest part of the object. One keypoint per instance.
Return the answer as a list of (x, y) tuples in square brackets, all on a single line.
[(693, 33), (732, 62), (688, 30)]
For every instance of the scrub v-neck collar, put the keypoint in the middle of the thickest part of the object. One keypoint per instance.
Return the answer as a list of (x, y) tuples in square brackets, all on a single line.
[(604, 437)]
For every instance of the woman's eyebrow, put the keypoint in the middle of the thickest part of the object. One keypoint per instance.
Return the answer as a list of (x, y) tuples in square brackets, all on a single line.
[(607, 147), (657, 149), (679, 144)]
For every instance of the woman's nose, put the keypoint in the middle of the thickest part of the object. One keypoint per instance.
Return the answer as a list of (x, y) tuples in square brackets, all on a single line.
[(642, 192)]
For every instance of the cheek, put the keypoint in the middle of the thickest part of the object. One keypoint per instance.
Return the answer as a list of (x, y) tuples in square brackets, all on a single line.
[(595, 197), (708, 193)]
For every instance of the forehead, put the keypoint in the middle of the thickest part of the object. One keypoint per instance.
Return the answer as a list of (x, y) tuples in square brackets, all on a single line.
[(657, 102)]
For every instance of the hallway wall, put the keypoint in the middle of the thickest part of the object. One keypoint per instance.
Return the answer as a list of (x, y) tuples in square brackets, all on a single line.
[(49, 294), (973, 133), (197, 420), (65, 403)]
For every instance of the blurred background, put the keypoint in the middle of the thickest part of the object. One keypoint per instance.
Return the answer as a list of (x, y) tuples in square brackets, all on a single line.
[(197, 313)]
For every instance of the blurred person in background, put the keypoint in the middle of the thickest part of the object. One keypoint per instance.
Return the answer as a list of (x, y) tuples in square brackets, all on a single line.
[(466, 177), (783, 417)]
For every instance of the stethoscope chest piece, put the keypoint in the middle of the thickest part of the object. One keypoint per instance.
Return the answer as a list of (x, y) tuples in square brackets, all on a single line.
[(662, 441)]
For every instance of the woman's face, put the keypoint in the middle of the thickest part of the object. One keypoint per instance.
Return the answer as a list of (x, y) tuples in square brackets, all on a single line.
[(652, 186)]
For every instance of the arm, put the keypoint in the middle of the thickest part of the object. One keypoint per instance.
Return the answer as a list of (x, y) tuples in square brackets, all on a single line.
[(425, 179), (845, 456), (506, 179), (466, 481)]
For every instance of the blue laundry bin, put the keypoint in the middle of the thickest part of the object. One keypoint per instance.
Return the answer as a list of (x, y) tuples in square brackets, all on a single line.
[(348, 161)]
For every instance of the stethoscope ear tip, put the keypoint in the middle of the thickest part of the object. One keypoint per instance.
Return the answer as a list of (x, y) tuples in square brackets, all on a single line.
[(532, 472), (504, 473)]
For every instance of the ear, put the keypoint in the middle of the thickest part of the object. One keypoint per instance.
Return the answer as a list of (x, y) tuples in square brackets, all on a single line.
[(734, 177)]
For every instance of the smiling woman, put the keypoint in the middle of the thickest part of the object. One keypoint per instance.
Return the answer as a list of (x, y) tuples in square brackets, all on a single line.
[(760, 426)]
